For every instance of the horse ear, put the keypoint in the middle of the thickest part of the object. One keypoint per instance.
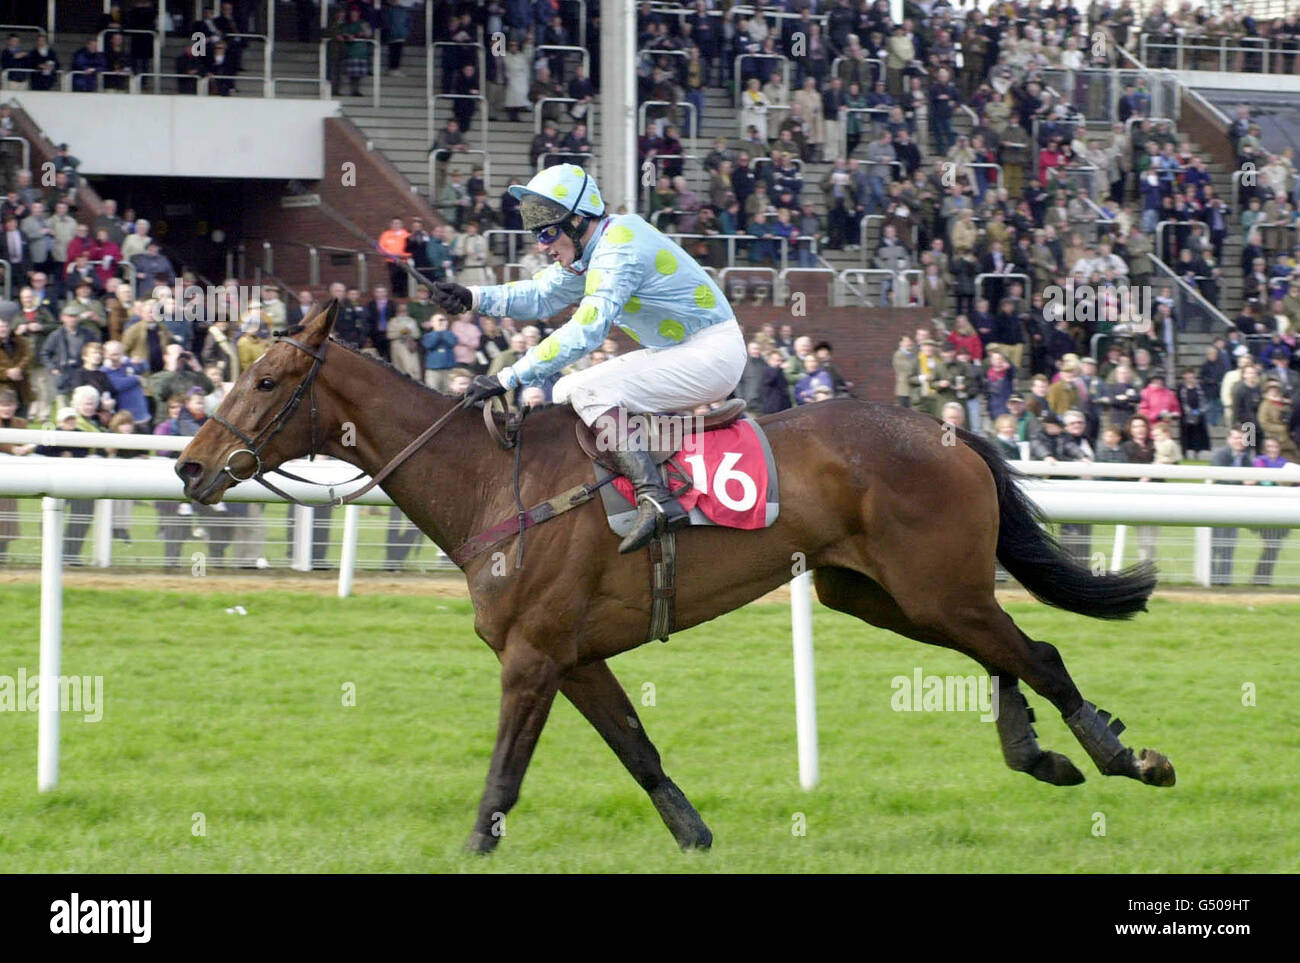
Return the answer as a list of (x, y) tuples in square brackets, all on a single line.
[(318, 325)]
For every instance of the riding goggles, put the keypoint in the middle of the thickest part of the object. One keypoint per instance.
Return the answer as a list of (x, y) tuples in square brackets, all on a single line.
[(549, 234)]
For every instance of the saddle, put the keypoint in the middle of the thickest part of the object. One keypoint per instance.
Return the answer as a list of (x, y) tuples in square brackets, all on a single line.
[(721, 417)]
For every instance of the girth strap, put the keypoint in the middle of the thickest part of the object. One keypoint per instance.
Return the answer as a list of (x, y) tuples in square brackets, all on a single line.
[(663, 585), (534, 516)]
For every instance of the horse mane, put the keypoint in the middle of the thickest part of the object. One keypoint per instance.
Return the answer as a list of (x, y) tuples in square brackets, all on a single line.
[(373, 359)]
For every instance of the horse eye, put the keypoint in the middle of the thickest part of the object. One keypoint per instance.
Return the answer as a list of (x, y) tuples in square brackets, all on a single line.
[(266, 384)]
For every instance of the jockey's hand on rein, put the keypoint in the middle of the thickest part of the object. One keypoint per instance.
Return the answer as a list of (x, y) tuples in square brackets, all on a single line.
[(483, 388), (452, 298)]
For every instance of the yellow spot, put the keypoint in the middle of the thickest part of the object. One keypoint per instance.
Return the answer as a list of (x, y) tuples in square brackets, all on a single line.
[(620, 234), (560, 191), (665, 263), (633, 305), (631, 334), (593, 282), (578, 171), (672, 330), (548, 349), (593, 199), (704, 297), (538, 274), (586, 314)]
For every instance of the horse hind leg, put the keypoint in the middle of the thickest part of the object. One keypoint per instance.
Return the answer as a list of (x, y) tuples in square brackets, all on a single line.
[(596, 693), (1095, 729), (1020, 747), (1098, 733), (855, 594)]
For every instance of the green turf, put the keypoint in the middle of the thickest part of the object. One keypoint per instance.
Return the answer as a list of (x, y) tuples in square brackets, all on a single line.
[(240, 718)]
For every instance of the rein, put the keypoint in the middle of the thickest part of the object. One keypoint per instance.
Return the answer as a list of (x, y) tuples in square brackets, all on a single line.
[(256, 444)]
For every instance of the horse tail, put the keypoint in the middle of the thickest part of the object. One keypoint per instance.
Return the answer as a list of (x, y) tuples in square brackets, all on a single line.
[(1036, 560)]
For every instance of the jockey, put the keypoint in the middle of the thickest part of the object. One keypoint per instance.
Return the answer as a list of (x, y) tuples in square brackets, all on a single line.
[(621, 271)]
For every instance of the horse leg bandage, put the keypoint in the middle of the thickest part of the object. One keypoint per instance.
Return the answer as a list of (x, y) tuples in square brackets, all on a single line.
[(1098, 733), (1020, 746)]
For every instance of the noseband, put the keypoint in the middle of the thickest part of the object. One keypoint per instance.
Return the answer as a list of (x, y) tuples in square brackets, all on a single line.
[(256, 444)]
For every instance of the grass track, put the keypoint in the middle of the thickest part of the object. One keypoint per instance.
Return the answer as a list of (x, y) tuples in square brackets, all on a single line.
[(241, 718)]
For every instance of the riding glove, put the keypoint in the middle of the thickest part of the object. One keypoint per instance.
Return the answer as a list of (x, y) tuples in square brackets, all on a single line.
[(484, 387), (453, 298)]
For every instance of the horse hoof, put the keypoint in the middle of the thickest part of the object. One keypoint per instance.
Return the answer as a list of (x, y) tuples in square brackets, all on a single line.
[(481, 844), (701, 842), (1056, 770), (1154, 769)]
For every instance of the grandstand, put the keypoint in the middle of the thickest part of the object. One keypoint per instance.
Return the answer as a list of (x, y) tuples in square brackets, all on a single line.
[(846, 261)]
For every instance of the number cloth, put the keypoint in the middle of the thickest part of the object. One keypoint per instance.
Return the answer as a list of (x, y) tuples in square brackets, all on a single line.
[(723, 473)]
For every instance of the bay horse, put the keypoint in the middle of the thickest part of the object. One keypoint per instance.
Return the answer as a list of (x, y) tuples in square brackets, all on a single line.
[(900, 522)]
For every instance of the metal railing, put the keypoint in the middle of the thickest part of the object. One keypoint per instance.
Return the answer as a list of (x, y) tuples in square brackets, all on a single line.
[(981, 278), (344, 254), (1189, 306), (1190, 52), (375, 66), (844, 284), (322, 86), (154, 36), (538, 110), (432, 46), (453, 155), (66, 80), (782, 278), (511, 236), (731, 240), (568, 49), (582, 21), (735, 269), (27, 149), (541, 158), (483, 118), (785, 72), (693, 116), (877, 73)]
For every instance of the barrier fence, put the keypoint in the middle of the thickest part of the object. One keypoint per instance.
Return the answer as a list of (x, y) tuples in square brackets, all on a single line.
[(127, 514), (61, 484)]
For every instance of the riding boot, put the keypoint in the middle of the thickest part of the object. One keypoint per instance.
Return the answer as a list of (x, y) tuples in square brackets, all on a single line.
[(655, 506)]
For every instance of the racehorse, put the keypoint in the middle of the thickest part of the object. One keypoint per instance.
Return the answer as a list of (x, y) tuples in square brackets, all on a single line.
[(900, 521)]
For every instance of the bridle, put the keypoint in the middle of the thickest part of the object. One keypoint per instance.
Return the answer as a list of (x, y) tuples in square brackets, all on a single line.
[(256, 444)]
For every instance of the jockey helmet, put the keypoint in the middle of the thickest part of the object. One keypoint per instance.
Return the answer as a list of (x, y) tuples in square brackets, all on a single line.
[(553, 196)]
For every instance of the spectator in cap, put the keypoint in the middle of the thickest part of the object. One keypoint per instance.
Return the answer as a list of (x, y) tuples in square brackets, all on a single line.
[(1026, 423), (61, 352)]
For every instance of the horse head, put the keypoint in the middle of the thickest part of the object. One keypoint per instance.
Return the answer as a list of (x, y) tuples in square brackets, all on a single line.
[(267, 418)]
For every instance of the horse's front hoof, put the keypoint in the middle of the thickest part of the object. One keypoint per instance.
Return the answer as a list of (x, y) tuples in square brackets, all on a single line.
[(698, 842), (1056, 770), (1154, 769), (481, 844)]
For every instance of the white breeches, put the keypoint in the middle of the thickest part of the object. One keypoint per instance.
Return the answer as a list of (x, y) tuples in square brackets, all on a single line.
[(702, 369)]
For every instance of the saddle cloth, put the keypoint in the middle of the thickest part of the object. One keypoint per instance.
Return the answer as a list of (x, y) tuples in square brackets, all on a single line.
[(724, 475)]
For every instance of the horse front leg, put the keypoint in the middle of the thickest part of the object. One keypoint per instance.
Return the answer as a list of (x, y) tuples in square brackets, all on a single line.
[(596, 693), (529, 681)]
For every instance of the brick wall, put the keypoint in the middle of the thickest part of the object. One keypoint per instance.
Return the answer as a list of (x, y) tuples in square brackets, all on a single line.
[(351, 215)]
